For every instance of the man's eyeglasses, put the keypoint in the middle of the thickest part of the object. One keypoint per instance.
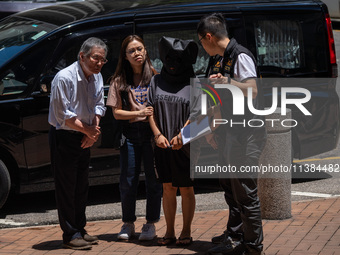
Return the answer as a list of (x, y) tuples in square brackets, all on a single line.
[(132, 51), (97, 59), (199, 41)]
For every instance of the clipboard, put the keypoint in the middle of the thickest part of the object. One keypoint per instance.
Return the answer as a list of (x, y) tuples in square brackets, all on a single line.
[(193, 131)]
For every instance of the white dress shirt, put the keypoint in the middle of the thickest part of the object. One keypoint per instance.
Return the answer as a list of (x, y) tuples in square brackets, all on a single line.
[(72, 95)]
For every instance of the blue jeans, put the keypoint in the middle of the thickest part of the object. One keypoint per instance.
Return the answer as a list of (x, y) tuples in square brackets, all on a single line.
[(132, 154)]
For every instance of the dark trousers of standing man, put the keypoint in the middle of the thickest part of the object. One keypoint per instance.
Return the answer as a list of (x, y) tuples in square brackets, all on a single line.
[(70, 165), (245, 222)]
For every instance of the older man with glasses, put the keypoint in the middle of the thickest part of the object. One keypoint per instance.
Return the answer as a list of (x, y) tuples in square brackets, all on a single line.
[(76, 106)]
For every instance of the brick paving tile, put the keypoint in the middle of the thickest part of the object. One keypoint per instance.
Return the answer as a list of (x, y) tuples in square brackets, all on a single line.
[(314, 228), (316, 247), (329, 252), (43, 253), (325, 236), (299, 253), (27, 253)]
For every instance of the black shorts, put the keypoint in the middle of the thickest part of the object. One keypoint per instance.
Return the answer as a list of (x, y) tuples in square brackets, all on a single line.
[(173, 166)]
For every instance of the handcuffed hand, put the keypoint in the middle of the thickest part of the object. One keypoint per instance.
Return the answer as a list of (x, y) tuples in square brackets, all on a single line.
[(162, 142), (176, 142)]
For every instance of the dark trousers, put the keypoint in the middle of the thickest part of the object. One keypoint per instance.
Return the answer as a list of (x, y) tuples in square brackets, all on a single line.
[(70, 167), (245, 221)]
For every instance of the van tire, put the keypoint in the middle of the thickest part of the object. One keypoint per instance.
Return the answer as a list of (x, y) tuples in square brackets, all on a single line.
[(5, 183)]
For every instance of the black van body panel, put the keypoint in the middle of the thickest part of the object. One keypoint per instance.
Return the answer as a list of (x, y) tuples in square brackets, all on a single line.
[(23, 122)]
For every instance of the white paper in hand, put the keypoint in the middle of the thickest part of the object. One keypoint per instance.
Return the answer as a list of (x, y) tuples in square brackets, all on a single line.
[(194, 131)]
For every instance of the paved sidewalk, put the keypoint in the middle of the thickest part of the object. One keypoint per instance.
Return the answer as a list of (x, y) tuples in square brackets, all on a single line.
[(313, 229)]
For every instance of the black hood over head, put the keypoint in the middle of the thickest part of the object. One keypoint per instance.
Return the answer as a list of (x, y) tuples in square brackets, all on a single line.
[(177, 56)]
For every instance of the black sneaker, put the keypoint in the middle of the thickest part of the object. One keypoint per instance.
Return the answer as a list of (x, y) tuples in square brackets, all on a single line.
[(229, 246), (78, 244)]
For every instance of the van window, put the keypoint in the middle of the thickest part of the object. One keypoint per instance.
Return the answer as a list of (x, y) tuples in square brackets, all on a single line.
[(288, 45), (279, 43), (151, 43), (23, 72), (68, 50), (183, 28), (17, 34), (113, 43)]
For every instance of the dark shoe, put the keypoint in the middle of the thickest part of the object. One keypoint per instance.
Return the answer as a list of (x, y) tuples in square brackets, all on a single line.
[(166, 241), (148, 232), (253, 252), (127, 231), (219, 239), (184, 241), (229, 246), (78, 244), (90, 239)]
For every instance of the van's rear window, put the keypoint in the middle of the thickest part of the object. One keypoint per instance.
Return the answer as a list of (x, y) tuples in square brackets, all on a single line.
[(279, 43), (16, 34)]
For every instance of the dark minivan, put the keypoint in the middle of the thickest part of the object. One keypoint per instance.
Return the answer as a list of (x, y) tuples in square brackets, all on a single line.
[(9, 7), (289, 38)]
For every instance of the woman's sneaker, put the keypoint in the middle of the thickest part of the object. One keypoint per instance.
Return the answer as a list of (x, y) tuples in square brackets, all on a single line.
[(127, 231), (148, 232)]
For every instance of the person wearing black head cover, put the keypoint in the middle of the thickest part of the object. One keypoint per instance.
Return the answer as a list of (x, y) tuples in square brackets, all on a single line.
[(233, 64), (169, 95)]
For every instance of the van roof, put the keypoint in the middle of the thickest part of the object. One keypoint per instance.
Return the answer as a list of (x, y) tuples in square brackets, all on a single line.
[(62, 14)]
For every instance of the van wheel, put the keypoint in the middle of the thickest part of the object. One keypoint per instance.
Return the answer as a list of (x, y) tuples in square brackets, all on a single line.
[(5, 183)]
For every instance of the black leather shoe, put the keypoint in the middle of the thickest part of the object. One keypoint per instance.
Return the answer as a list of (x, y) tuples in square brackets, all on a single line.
[(228, 247), (78, 244), (91, 239), (253, 252), (219, 239)]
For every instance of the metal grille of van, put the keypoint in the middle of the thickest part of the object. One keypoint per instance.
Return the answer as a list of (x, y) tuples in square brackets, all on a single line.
[(278, 43)]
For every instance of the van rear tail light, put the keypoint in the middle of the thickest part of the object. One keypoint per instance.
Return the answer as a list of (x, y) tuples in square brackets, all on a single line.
[(332, 54)]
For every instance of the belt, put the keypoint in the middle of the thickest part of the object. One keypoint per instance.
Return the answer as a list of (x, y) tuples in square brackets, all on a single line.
[(73, 132)]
